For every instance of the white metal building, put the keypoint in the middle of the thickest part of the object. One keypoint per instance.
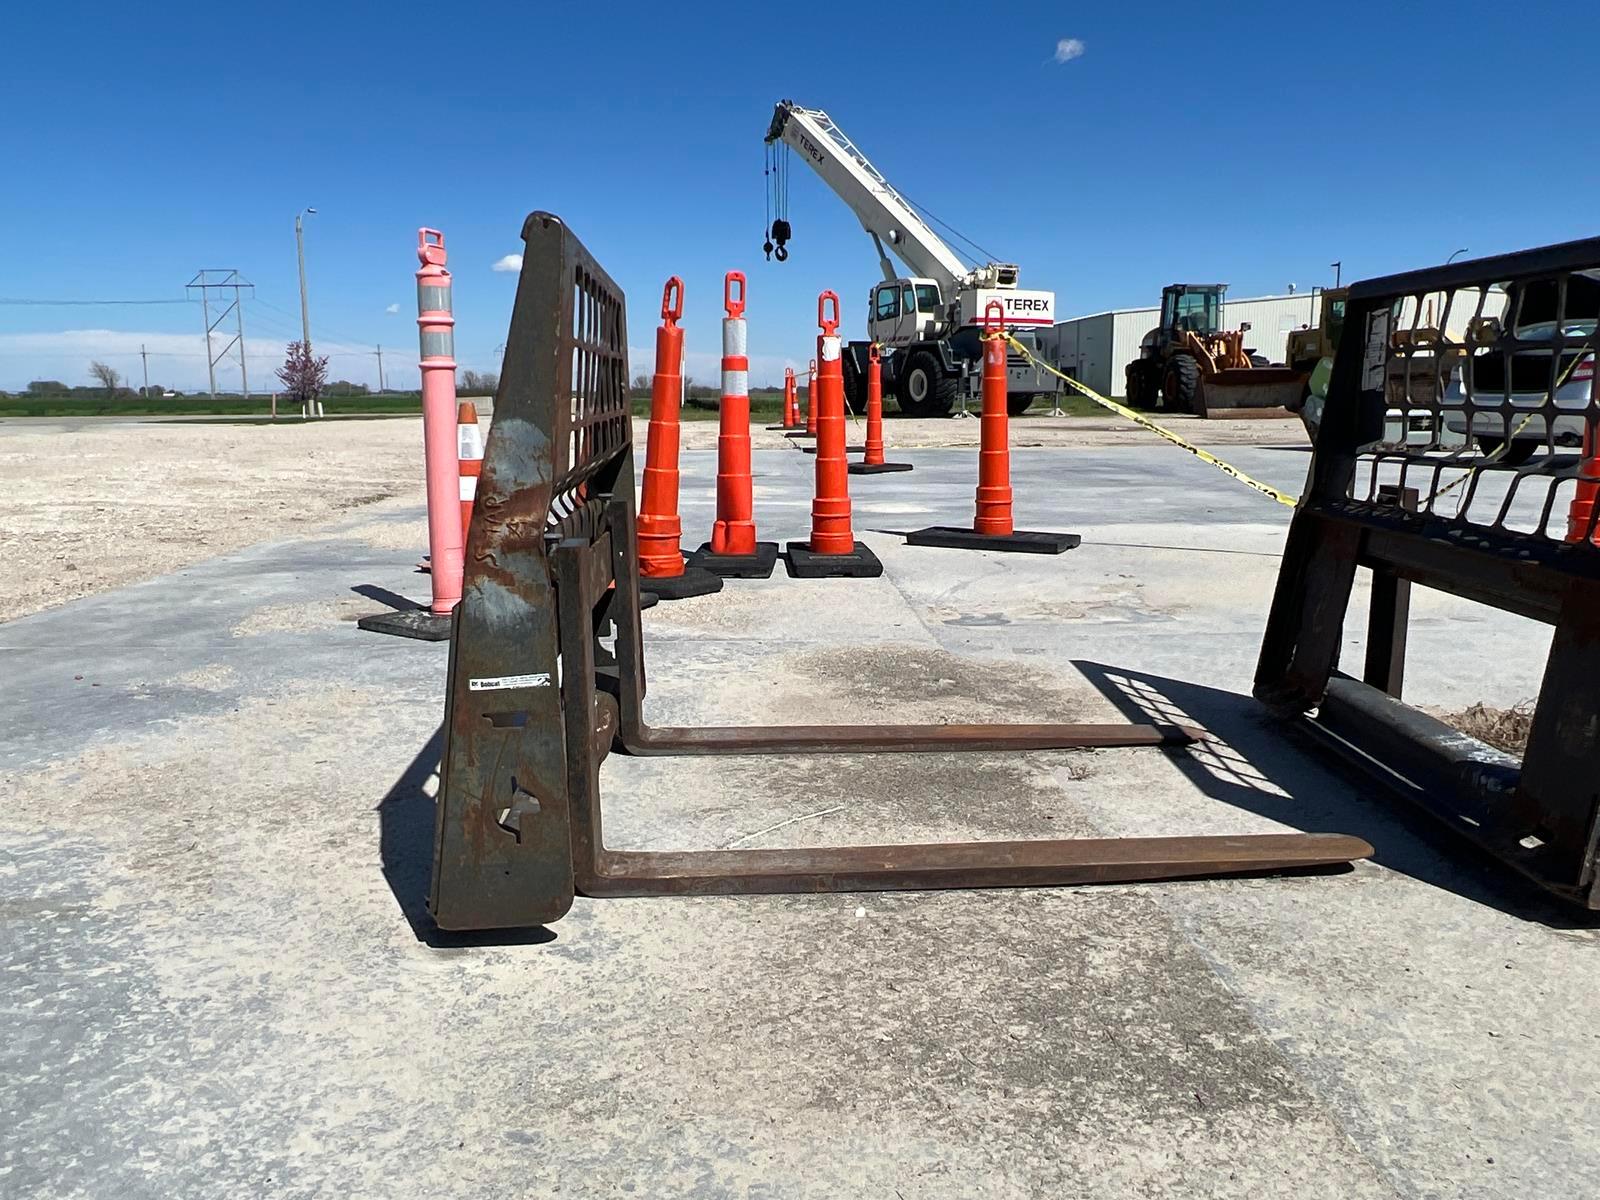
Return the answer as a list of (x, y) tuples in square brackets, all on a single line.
[(1096, 349)]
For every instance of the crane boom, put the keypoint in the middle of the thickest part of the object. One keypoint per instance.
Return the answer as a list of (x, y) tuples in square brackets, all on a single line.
[(883, 212)]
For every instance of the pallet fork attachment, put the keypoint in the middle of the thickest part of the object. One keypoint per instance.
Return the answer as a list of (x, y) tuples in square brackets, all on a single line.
[(536, 702), (1459, 449)]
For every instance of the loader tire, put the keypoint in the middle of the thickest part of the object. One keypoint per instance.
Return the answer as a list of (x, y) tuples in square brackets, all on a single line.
[(1181, 382), (1137, 389), (925, 390)]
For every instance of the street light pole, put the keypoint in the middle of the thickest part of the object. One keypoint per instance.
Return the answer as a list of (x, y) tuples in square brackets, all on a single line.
[(1452, 258), (305, 312)]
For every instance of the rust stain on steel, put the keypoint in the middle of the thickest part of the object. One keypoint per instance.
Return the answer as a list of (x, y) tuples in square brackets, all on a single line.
[(531, 715)]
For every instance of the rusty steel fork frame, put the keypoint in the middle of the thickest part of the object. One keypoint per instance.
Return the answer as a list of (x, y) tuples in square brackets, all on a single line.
[(535, 701), (1381, 498)]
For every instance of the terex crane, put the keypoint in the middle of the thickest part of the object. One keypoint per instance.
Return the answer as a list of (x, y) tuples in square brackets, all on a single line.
[(928, 322)]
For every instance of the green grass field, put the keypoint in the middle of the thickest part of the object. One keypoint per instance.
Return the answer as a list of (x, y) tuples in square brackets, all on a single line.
[(201, 406), (765, 407)]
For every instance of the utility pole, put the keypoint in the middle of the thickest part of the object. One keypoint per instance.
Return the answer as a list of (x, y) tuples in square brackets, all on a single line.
[(221, 280), (145, 359), (305, 312), (380, 370)]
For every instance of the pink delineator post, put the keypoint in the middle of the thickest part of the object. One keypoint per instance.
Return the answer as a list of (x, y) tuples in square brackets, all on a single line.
[(436, 328)]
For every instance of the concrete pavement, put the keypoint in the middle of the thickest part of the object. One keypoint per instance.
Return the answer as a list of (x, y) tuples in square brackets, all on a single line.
[(215, 816)]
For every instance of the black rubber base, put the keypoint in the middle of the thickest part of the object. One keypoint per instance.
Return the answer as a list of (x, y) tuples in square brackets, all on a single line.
[(693, 582), (1023, 541), (648, 600), (419, 623), (799, 433), (780, 428), (847, 449), (738, 566), (882, 468), (803, 564)]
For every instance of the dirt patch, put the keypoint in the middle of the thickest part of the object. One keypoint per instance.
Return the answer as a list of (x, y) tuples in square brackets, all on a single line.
[(302, 618), (1503, 728), (917, 684)]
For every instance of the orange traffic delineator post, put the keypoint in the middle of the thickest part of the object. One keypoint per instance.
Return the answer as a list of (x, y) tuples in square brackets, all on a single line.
[(873, 463), (810, 431), (991, 526), (469, 460), (660, 532), (832, 549), (733, 551), (1583, 524), (791, 414)]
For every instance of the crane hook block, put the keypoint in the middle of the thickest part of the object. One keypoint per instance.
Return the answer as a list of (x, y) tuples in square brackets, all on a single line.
[(780, 237)]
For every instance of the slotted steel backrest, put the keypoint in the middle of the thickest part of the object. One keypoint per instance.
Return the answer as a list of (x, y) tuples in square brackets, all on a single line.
[(560, 440), (1473, 383)]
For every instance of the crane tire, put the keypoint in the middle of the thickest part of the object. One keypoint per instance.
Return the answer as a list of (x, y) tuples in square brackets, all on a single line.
[(925, 389)]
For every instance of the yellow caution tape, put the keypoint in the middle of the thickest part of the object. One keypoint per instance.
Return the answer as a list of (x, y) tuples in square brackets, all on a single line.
[(1266, 489)]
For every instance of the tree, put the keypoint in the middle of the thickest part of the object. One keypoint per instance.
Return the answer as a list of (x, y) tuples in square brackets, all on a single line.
[(106, 376), (642, 382), (303, 374), (47, 387)]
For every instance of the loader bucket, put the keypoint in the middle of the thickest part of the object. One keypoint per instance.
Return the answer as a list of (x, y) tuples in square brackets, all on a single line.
[(1250, 392)]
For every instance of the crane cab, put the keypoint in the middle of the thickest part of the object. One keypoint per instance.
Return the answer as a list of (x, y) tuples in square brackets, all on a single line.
[(903, 311)]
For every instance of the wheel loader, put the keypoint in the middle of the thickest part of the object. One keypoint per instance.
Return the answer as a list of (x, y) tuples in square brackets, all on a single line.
[(1189, 363)]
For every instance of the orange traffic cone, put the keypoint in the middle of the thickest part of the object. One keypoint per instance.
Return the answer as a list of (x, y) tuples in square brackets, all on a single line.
[(790, 413), (832, 549), (660, 532), (1583, 522), (469, 453), (991, 525), (811, 401), (733, 551), (873, 463)]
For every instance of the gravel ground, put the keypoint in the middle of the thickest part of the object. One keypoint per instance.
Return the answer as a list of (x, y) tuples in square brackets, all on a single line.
[(94, 506), (97, 504)]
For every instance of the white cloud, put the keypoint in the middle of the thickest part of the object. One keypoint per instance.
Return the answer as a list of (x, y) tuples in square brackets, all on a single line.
[(510, 262), (393, 308), (1068, 49)]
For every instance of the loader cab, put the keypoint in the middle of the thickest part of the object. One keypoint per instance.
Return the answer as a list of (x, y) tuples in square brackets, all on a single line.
[(903, 311), (1193, 308)]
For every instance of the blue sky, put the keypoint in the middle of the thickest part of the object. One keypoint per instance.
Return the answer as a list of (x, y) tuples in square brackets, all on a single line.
[(144, 142)]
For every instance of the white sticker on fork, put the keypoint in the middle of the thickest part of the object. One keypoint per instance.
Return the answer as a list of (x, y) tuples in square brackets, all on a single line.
[(502, 683)]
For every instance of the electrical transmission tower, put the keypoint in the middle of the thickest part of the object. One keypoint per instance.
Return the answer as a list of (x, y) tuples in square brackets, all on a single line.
[(222, 282)]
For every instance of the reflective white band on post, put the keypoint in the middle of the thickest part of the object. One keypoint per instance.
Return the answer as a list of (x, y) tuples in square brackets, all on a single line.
[(735, 366), (469, 487), (830, 347)]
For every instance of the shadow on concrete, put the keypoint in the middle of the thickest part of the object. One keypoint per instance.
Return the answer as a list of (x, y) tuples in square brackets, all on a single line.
[(384, 596), (405, 847), (1258, 764)]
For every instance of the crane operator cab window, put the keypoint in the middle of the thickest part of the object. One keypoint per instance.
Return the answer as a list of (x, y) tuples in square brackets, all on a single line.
[(887, 307)]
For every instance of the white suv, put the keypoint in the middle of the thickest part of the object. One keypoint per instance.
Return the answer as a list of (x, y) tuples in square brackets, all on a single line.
[(1535, 313)]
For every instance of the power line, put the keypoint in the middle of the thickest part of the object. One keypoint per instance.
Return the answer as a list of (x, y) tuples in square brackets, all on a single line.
[(29, 300)]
